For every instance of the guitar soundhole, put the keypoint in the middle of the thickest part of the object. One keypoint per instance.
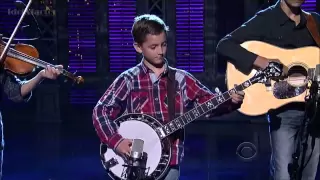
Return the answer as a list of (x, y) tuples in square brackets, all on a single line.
[(297, 76)]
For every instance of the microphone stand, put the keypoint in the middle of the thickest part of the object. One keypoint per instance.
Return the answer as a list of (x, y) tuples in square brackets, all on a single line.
[(136, 167), (6, 48), (306, 130)]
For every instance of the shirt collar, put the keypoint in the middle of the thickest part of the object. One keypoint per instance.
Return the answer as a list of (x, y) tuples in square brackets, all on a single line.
[(146, 70), (282, 18)]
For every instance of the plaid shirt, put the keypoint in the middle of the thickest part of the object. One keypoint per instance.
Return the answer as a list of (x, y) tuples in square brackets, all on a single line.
[(138, 90)]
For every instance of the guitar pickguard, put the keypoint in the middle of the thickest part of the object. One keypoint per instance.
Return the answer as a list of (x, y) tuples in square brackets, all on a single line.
[(283, 90)]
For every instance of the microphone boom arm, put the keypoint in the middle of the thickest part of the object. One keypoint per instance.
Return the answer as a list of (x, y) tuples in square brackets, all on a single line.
[(6, 48)]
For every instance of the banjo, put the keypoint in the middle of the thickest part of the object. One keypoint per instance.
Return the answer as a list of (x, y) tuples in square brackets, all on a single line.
[(154, 134)]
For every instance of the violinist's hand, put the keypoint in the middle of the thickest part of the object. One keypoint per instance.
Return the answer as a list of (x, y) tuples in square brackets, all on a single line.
[(51, 72)]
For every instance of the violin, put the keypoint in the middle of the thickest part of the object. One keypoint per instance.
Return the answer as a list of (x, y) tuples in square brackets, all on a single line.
[(23, 58)]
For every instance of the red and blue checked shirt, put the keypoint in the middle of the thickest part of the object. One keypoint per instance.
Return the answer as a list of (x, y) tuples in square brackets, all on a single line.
[(138, 90)]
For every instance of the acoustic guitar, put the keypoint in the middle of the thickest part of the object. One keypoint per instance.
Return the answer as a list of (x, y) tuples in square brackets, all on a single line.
[(260, 98)]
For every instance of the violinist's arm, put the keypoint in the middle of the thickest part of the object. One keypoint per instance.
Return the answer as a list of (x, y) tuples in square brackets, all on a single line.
[(49, 72), (12, 87), (18, 90), (28, 86)]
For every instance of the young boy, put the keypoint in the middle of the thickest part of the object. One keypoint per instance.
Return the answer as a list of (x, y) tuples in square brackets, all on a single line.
[(142, 89)]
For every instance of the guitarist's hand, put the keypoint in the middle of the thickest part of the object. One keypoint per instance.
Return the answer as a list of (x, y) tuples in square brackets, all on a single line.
[(237, 98), (124, 148), (263, 63)]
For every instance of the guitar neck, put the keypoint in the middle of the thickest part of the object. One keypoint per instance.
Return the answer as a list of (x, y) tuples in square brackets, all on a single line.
[(200, 110)]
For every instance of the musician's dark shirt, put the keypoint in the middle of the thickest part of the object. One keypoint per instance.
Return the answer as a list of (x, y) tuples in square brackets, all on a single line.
[(272, 26), (11, 86)]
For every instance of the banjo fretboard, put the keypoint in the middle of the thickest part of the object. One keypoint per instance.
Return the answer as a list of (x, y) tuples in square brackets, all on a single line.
[(200, 110)]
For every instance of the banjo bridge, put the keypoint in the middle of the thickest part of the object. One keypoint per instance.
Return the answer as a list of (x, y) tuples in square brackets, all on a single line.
[(111, 163), (160, 132)]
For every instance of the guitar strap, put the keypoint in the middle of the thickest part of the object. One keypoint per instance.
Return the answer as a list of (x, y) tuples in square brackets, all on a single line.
[(313, 28), (171, 93)]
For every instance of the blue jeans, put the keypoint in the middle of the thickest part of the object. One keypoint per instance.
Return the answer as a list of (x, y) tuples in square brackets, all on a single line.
[(284, 133)]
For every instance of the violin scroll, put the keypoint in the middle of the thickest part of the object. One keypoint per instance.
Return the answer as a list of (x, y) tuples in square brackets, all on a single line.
[(79, 79), (76, 79)]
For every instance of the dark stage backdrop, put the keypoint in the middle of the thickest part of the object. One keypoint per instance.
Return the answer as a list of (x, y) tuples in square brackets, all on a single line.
[(93, 38)]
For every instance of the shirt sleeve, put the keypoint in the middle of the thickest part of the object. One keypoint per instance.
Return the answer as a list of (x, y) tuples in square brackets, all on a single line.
[(198, 93), (12, 88), (229, 46), (111, 105)]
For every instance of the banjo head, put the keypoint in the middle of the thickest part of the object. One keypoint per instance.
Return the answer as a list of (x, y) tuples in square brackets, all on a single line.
[(138, 126)]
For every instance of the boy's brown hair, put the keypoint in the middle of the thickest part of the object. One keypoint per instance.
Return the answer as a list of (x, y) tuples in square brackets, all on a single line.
[(147, 24)]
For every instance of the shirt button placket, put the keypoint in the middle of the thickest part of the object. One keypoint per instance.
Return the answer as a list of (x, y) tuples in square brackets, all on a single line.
[(156, 100)]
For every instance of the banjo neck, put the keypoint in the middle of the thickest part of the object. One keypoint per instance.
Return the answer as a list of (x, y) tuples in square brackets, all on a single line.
[(195, 113)]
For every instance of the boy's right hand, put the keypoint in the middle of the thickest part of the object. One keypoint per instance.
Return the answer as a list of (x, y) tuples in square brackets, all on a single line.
[(124, 147)]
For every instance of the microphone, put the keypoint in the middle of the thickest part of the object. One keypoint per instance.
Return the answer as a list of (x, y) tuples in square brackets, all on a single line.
[(21, 5), (137, 148), (137, 161), (316, 76), (6, 48)]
